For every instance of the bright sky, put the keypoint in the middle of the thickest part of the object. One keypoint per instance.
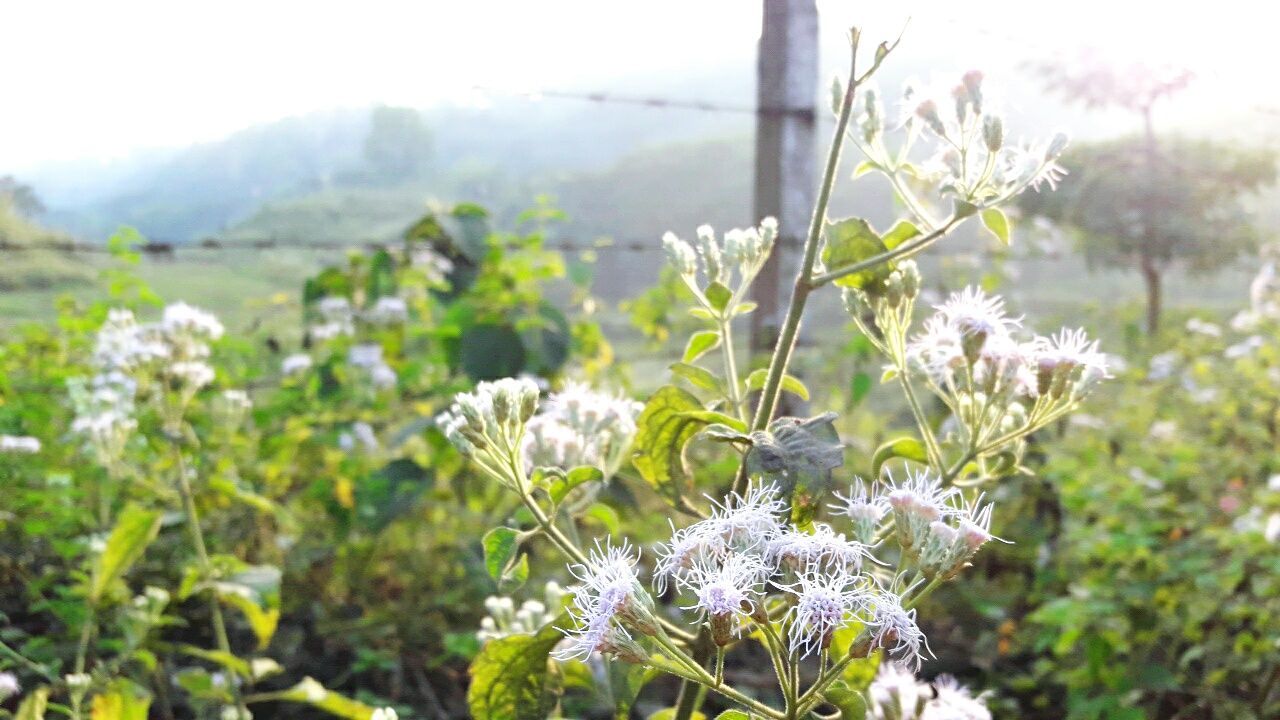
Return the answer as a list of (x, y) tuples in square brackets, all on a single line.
[(89, 79)]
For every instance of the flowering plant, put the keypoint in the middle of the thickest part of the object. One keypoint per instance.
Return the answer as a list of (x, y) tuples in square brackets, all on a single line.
[(826, 582)]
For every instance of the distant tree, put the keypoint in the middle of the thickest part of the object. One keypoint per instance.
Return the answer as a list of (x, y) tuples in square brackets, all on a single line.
[(21, 197), (399, 145), (1144, 202), (1190, 209)]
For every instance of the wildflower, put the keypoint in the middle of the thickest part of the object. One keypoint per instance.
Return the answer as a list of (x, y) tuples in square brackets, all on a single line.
[(580, 426), (607, 600), (384, 713), (864, 509), (893, 628), (19, 444), (388, 310), (977, 317), (821, 549), (9, 686), (945, 549), (953, 701), (360, 435), (295, 364), (77, 682), (916, 503), (365, 355), (182, 319), (492, 418), (824, 602), (748, 522), (689, 548), (727, 592), (1068, 364), (895, 694)]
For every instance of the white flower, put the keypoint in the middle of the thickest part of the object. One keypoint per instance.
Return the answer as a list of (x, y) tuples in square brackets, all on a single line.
[(361, 433), (580, 426), (726, 592), (19, 444), (181, 318), (492, 417), (894, 629), (895, 694), (388, 310), (954, 702), (1068, 363), (295, 364), (382, 376), (365, 355), (193, 374), (819, 550), (976, 316), (8, 686), (824, 603), (864, 509), (689, 548), (385, 713), (608, 593), (748, 522), (917, 502), (944, 550)]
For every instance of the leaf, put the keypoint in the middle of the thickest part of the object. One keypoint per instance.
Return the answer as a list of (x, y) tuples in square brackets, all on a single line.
[(515, 577), (964, 209), (799, 454), (509, 676), (851, 703), (851, 241), (625, 683), (219, 657), (719, 296), (900, 233), (698, 377), (700, 343), (500, 545), (124, 700), (718, 418), (606, 516), (561, 485), (489, 351), (907, 448), (670, 714), (790, 383), (996, 221), (311, 692), (134, 530), (254, 590), (859, 387), (725, 433), (33, 707), (662, 431), (864, 167)]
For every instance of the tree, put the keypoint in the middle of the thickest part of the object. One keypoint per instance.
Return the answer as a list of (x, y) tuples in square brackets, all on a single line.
[(21, 197), (399, 144), (1187, 208), (1149, 203)]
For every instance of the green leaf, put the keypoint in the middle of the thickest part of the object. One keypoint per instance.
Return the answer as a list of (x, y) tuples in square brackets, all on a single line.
[(799, 454), (124, 700), (515, 577), (700, 343), (864, 167), (509, 676), (625, 683), (859, 387), (715, 418), (907, 448), (851, 241), (851, 703), (606, 516), (255, 592), (490, 351), (310, 692), (500, 545), (743, 308), (134, 530), (964, 209), (995, 221), (726, 433), (900, 233), (698, 377), (561, 485), (224, 659), (33, 707), (670, 714), (790, 383), (662, 432), (719, 296)]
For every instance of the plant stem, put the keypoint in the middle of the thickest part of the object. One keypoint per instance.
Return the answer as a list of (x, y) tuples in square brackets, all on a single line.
[(731, 366), (26, 662), (803, 286), (206, 567), (904, 250)]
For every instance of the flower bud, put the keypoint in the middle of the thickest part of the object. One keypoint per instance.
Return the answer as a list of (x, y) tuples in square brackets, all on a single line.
[(972, 83), (928, 112), (993, 132)]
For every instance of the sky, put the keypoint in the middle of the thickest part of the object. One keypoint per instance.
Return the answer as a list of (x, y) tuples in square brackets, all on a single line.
[(95, 80)]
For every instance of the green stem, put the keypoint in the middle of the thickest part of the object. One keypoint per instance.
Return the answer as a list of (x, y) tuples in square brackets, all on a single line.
[(731, 366), (904, 250), (206, 568), (705, 679), (26, 662), (803, 286)]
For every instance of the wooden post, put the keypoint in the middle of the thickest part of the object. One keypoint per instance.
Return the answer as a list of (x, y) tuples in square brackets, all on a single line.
[(785, 165)]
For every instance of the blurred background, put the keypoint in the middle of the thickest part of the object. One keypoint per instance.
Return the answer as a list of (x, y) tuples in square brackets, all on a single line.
[(314, 128), (257, 159)]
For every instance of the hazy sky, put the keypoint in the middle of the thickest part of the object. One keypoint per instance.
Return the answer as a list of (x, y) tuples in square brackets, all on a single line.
[(99, 79)]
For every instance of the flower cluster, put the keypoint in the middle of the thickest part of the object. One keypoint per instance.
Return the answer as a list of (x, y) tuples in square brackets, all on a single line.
[(488, 425), (971, 156), (608, 604), (580, 426), (731, 263), (742, 562), (505, 619), (896, 694), (995, 383), (367, 358), (19, 444)]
